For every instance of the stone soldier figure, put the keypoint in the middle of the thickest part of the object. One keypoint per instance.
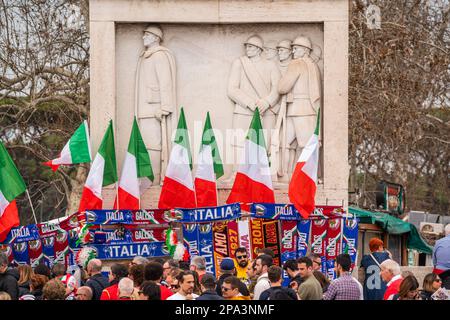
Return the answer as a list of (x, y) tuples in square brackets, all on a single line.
[(155, 98), (302, 79), (252, 84)]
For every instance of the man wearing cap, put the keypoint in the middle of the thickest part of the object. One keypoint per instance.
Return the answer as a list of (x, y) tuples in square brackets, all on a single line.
[(252, 84), (302, 79), (155, 98), (227, 269), (270, 50)]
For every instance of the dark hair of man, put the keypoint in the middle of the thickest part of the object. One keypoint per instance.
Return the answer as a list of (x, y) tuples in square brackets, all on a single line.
[(137, 272), (290, 264), (184, 265), (119, 270), (323, 280), (58, 270), (151, 289), (173, 263), (266, 260), (305, 260), (344, 261), (209, 282), (159, 260), (267, 251), (184, 273), (240, 249), (42, 269), (274, 273), (233, 281), (153, 271)]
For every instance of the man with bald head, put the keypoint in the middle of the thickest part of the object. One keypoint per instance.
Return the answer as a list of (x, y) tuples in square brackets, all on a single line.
[(97, 282), (84, 293)]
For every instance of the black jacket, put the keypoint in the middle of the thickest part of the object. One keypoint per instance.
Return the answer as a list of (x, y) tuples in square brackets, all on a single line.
[(242, 287), (97, 283), (278, 293), (445, 277), (24, 288), (8, 283), (209, 295)]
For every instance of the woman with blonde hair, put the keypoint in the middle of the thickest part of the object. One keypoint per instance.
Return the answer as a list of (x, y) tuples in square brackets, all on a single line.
[(25, 274), (431, 283)]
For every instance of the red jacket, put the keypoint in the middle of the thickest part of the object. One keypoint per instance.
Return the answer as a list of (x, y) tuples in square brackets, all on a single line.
[(110, 293), (165, 292), (392, 288)]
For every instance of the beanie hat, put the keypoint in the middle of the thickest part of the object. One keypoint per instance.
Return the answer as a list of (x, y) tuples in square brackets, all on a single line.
[(227, 264)]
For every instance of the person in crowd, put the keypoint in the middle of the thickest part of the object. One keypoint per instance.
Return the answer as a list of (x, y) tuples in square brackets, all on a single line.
[(42, 269), (267, 251), (8, 280), (117, 272), (391, 274), (431, 283), (276, 291), (54, 290), (230, 289), (263, 262), (25, 274), (252, 277), (291, 268), (197, 287), (227, 269), (97, 282), (317, 261), (168, 266), (369, 270), (345, 287), (37, 283), (242, 261), (310, 289), (153, 271), (184, 265), (172, 281), (198, 264), (125, 289), (208, 285), (138, 260), (4, 296), (441, 258), (84, 293), (323, 280), (150, 290), (60, 272), (136, 273), (409, 289), (186, 282)]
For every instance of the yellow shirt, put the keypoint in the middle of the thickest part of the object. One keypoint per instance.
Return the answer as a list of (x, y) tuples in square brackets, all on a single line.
[(241, 271)]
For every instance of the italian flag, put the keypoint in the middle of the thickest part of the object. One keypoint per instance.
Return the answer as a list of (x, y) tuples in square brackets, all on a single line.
[(76, 150), (136, 166), (11, 186), (178, 186), (303, 185), (209, 168), (253, 182), (103, 173)]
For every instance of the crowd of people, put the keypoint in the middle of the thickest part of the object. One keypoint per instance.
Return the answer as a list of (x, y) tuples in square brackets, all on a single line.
[(380, 278)]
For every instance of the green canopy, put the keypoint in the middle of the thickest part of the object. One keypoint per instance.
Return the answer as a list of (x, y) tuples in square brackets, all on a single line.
[(393, 225)]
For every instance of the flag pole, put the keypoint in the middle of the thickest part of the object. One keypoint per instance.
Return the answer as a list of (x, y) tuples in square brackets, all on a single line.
[(31, 204)]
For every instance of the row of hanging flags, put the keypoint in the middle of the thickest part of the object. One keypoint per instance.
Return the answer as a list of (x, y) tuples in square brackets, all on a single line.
[(212, 232), (252, 183)]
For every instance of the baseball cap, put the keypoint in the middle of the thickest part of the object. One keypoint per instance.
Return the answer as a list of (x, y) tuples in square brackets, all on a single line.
[(227, 264)]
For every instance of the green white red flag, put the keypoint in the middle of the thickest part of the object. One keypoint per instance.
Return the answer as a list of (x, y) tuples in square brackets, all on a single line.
[(303, 185), (178, 186), (253, 182), (11, 186), (209, 168), (136, 166), (103, 173), (76, 150)]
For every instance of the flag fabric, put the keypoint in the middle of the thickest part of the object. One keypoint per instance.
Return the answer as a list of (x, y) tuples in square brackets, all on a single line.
[(253, 182), (11, 186), (76, 150), (136, 166), (303, 185), (103, 173), (178, 186), (209, 168)]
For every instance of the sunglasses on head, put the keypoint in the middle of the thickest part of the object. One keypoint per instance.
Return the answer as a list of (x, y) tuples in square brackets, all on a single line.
[(241, 257)]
